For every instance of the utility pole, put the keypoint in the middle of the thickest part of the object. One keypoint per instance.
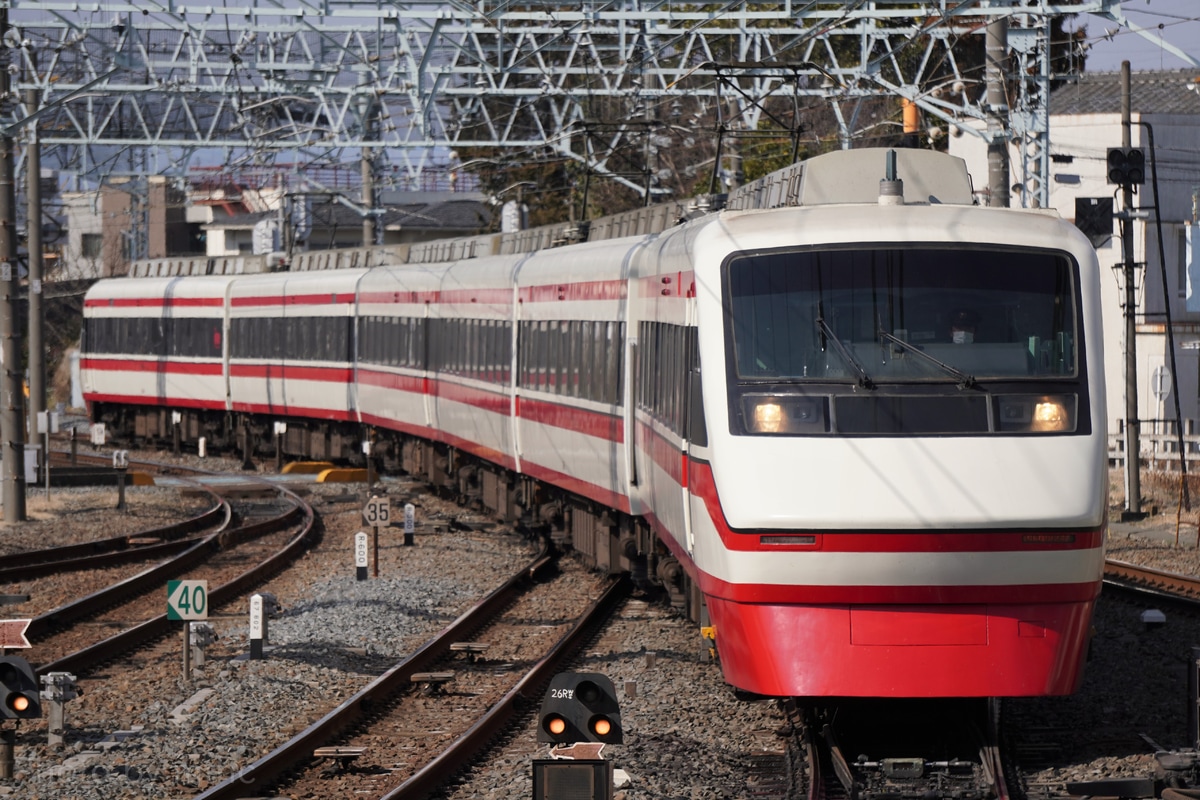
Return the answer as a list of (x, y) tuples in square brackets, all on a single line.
[(1133, 481), (368, 198), (997, 112), (12, 401), (33, 224)]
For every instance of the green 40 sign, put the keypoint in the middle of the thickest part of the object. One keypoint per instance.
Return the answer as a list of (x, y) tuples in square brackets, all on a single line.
[(187, 600)]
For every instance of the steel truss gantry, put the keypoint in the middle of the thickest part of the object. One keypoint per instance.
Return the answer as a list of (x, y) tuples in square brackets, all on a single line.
[(151, 86)]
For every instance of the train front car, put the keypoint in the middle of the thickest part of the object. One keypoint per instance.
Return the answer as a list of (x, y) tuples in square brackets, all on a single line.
[(903, 488)]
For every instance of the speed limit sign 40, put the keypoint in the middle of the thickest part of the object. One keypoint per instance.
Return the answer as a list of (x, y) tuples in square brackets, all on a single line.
[(187, 600)]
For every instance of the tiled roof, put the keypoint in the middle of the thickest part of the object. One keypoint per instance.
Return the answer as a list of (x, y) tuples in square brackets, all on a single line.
[(1162, 92)]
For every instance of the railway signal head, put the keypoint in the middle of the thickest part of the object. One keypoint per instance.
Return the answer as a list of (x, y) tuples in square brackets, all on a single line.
[(19, 695), (580, 707), (1126, 166)]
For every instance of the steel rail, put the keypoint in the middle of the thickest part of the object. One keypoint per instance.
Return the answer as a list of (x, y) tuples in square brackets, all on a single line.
[(1184, 586), (268, 770), (112, 558), (43, 625), (36, 560), (517, 701), (89, 657)]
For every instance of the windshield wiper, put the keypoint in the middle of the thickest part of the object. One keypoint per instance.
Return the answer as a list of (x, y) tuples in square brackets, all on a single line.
[(965, 381), (864, 380)]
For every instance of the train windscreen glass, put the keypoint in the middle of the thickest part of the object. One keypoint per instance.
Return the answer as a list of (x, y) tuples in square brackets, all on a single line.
[(901, 340)]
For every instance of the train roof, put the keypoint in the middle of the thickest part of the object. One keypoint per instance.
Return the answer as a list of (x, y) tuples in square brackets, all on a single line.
[(194, 287), (854, 176)]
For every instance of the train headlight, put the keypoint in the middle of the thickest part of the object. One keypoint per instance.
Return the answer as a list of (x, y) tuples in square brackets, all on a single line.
[(768, 416), (1037, 413), (782, 413), (1050, 415)]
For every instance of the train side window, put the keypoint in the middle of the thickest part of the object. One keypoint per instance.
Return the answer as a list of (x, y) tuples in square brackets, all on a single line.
[(672, 378), (523, 354), (640, 384), (565, 358), (293, 334), (458, 347), (659, 362), (582, 359), (397, 337), (345, 327), (616, 349), (405, 352), (506, 351), (587, 374), (466, 346), (440, 347), (421, 343), (601, 378), (382, 344)]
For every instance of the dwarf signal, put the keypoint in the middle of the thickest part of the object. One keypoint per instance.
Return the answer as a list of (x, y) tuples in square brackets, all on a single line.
[(580, 707), (19, 694)]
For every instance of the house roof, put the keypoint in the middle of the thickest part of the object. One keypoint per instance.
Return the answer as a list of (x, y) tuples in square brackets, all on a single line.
[(1158, 92)]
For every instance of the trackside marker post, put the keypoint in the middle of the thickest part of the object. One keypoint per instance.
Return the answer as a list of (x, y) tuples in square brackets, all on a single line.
[(377, 512), (187, 601), (410, 523), (60, 687), (360, 555), (258, 626)]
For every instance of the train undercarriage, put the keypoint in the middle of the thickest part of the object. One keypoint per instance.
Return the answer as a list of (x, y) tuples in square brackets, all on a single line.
[(605, 539)]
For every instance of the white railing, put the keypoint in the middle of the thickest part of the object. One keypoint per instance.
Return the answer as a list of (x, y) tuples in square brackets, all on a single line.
[(1158, 442)]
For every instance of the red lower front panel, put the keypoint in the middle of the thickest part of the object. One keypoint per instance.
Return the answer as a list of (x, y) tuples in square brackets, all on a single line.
[(902, 651)]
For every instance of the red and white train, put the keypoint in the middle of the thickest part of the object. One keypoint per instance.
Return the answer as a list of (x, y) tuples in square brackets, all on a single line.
[(854, 425)]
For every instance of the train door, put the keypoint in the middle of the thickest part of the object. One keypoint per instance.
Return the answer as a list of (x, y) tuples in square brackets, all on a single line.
[(430, 341), (695, 435), (633, 461), (519, 359)]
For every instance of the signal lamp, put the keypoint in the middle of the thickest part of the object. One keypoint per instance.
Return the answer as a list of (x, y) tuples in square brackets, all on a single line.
[(556, 725)]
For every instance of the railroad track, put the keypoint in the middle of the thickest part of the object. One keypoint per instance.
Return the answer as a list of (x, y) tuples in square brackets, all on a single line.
[(408, 737), (235, 557), (114, 550), (1166, 584), (220, 557)]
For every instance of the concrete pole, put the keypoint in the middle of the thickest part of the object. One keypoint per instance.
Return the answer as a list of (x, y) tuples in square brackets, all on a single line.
[(37, 354), (997, 111), (1133, 480), (12, 400), (368, 197)]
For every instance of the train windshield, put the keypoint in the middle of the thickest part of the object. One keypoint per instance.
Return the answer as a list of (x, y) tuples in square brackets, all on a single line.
[(902, 314), (894, 340)]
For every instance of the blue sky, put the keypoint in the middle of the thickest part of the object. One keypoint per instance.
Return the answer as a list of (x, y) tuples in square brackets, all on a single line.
[(1180, 26)]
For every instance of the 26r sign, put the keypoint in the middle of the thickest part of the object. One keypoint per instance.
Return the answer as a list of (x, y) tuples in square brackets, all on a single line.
[(187, 600)]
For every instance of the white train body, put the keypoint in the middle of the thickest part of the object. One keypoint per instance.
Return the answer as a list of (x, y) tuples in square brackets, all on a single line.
[(864, 438)]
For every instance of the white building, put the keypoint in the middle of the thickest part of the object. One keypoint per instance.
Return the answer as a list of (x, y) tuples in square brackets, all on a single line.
[(1085, 120)]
